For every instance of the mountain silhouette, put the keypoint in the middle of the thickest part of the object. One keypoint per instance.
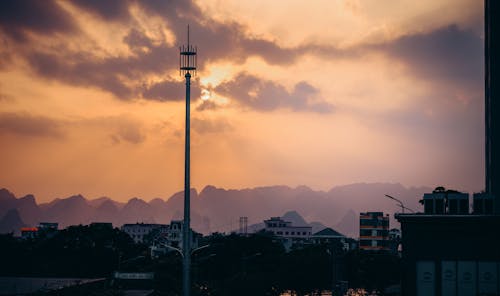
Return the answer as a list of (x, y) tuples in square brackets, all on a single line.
[(295, 218), (73, 210), (218, 209), (11, 223)]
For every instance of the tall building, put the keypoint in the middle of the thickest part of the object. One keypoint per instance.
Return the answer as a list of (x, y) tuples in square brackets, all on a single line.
[(492, 99), (447, 251), (374, 231)]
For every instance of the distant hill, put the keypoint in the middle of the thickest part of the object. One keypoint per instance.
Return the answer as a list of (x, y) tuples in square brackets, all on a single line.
[(11, 223), (218, 209)]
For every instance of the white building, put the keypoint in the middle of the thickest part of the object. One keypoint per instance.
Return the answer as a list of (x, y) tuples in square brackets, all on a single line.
[(169, 237), (285, 229), (288, 234), (138, 231)]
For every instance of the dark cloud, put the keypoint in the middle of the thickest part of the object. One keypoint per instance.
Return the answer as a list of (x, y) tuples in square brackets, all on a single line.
[(207, 105), (18, 17), (252, 92), (124, 76), (108, 9), (25, 124), (204, 126), (137, 41), (80, 69), (170, 90), (448, 54), (445, 55)]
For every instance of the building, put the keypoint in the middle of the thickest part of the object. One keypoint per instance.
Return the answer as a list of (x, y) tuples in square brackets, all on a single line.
[(169, 237), (29, 232), (450, 254), (139, 231), (330, 236), (43, 230), (173, 234), (445, 250), (285, 229), (492, 100), (483, 203), (327, 236), (449, 251), (442, 201), (49, 226), (47, 229), (286, 233), (374, 231)]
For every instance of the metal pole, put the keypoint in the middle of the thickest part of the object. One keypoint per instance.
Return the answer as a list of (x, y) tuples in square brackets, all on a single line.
[(186, 237), (334, 272)]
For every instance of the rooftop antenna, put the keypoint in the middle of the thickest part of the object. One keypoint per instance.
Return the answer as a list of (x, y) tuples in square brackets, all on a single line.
[(187, 65), (187, 58)]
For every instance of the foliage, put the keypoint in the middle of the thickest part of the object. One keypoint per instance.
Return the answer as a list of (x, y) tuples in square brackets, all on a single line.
[(77, 251), (231, 265)]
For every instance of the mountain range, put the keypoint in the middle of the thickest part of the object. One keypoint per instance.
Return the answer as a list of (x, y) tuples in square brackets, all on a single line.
[(217, 209)]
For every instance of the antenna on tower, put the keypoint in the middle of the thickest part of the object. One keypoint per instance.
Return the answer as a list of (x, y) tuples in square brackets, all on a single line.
[(187, 64), (187, 58)]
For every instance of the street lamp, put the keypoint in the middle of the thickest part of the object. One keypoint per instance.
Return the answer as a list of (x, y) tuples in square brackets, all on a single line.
[(400, 204)]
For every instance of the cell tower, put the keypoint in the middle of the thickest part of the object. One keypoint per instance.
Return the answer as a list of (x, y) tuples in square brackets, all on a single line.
[(187, 65), (244, 225)]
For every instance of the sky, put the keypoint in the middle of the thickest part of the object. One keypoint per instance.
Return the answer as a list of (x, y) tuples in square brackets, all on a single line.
[(318, 93)]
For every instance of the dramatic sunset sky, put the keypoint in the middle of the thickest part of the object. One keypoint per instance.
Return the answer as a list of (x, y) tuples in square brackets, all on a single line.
[(319, 93)]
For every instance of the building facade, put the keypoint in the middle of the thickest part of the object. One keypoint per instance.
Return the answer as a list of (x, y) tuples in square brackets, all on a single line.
[(285, 229), (374, 232), (492, 100), (451, 255), (139, 231), (169, 237), (443, 201), (289, 235), (330, 236)]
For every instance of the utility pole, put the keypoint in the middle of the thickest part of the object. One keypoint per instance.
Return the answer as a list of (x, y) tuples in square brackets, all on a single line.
[(400, 204), (187, 64)]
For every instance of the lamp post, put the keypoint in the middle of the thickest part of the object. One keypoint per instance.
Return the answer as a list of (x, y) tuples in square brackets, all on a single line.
[(187, 64), (400, 204)]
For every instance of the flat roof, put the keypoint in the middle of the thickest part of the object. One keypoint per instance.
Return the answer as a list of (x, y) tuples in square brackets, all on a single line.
[(423, 217)]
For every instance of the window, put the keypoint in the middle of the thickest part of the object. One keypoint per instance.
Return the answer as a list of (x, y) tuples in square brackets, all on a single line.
[(364, 232), (364, 243), (304, 233), (286, 233), (293, 232)]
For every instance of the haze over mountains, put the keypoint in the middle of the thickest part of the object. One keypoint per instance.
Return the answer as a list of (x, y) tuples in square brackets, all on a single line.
[(216, 209)]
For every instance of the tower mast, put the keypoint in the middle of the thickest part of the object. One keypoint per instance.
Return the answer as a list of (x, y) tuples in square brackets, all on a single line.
[(187, 64)]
